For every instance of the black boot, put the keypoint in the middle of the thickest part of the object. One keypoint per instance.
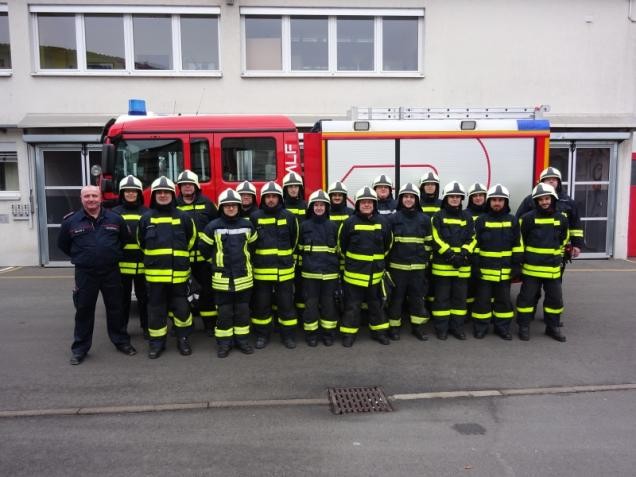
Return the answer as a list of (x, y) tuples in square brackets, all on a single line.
[(394, 333), (244, 346), (312, 340), (458, 333), (261, 341), (155, 349), (224, 350), (418, 332), (381, 338), (524, 333), (555, 334), (347, 340), (327, 339), (183, 344), (288, 339)]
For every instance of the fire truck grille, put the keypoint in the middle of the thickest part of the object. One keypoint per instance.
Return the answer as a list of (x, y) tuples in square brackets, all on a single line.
[(354, 400)]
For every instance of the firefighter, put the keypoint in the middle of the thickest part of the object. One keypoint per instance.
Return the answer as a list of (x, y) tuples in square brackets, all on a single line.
[(201, 210), (131, 266), (339, 211), (94, 238), (476, 207), (319, 270), (225, 242), (453, 244), (429, 193), (565, 204), (294, 201), (383, 187), (545, 233), (364, 239), (498, 256), (247, 191), (166, 236), (407, 262), (273, 266)]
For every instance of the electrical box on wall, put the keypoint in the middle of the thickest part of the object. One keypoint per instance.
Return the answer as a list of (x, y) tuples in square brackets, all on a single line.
[(21, 211)]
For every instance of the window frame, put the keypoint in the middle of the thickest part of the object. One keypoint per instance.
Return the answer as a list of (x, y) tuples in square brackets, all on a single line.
[(10, 149), (4, 8), (332, 14), (127, 13)]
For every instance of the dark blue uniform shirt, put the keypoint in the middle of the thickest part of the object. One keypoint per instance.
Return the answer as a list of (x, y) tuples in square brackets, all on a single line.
[(93, 243)]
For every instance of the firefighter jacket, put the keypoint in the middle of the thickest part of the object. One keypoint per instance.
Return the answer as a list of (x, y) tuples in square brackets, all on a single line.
[(226, 242), (564, 205), (132, 263), (202, 210), (297, 206), (544, 236), (387, 206), (499, 245), (430, 205), (249, 211), (339, 213), (317, 248), (411, 240), (277, 230), (475, 210), (453, 236), (166, 236), (93, 242), (364, 242)]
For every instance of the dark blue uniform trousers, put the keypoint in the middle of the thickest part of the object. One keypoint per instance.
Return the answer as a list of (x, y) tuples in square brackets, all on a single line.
[(88, 283)]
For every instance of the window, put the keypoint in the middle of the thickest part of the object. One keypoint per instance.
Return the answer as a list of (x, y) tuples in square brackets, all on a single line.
[(124, 40), (332, 41), (9, 172), (248, 159), (148, 159), (200, 159), (5, 44)]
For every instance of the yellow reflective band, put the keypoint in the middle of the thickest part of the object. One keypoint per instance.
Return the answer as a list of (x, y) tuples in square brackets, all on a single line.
[(443, 246), (319, 248), (481, 316), (430, 208), (470, 300), (550, 221), (418, 320), (497, 225), (280, 222), (261, 321), (364, 258), (310, 326), (400, 239), (274, 251), (525, 309), (441, 313), (503, 314), (186, 207), (338, 218), (555, 311), (241, 330), (395, 323), (131, 246), (408, 268), (183, 323), (544, 251), (367, 227), (381, 326), (208, 313), (485, 253), (328, 324), (158, 251), (350, 331), (319, 276), (292, 322), (448, 221), (266, 220), (130, 217), (223, 333), (576, 233), (164, 220), (158, 333), (459, 312)]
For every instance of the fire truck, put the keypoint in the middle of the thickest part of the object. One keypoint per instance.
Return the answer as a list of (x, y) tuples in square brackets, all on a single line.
[(487, 145)]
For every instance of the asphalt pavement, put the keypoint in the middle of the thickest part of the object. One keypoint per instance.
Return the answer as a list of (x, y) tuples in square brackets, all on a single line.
[(478, 407)]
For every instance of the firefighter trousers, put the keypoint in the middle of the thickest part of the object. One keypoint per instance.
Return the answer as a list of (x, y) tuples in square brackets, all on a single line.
[(449, 307), (410, 290), (354, 297), (233, 321), (139, 283), (88, 284), (167, 300), (320, 307), (552, 302), (202, 273), (492, 303), (265, 292)]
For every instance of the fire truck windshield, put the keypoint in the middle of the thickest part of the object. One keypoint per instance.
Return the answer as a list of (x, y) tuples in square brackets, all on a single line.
[(148, 159)]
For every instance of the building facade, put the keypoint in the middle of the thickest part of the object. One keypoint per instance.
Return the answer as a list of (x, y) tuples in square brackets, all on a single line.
[(67, 67)]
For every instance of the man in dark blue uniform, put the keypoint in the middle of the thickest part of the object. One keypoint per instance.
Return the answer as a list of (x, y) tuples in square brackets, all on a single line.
[(94, 239)]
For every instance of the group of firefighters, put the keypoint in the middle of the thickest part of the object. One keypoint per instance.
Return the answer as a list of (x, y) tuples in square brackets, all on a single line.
[(324, 264)]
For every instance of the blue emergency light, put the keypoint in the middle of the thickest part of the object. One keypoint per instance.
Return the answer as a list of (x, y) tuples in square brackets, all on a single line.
[(136, 107)]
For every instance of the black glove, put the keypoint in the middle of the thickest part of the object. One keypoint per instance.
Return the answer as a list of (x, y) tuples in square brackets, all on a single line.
[(448, 256), (465, 256), (457, 261)]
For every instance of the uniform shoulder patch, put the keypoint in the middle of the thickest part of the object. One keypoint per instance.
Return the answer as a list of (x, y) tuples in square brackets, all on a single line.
[(68, 215)]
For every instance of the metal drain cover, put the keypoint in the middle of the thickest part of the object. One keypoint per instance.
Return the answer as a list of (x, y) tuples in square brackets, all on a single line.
[(367, 399)]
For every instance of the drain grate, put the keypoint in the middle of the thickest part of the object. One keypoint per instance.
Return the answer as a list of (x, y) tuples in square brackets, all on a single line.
[(368, 399)]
